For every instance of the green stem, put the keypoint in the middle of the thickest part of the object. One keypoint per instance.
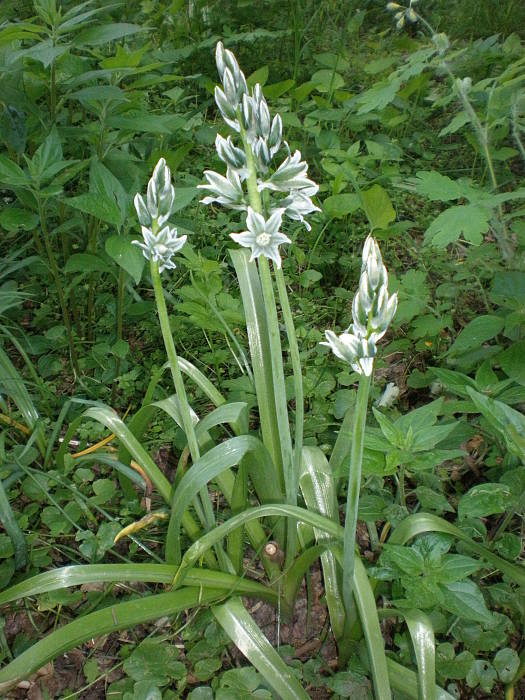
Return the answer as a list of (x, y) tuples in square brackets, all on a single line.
[(354, 483), (120, 305), (56, 277), (297, 374), (277, 364), (184, 407), (280, 401)]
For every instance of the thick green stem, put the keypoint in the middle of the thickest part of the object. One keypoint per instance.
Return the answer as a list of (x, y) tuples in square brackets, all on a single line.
[(58, 283), (297, 374), (184, 407), (281, 409), (290, 478), (354, 484)]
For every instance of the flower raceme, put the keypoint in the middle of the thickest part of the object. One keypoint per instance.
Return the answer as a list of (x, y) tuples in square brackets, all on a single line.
[(372, 312), (160, 240), (285, 187)]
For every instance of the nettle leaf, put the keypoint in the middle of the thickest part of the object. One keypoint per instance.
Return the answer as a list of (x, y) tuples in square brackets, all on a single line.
[(127, 255), (467, 220), (11, 174), (378, 207), (483, 500), (436, 187), (464, 599), (455, 567), (478, 331), (407, 559)]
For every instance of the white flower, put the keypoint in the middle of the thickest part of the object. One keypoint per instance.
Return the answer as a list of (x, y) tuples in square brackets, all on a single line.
[(357, 351), (159, 199), (298, 204), (263, 237), (290, 175), (162, 246), (224, 190)]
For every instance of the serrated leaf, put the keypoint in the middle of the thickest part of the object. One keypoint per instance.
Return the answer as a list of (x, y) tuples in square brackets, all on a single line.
[(436, 187), (464, 599), (467, 220)]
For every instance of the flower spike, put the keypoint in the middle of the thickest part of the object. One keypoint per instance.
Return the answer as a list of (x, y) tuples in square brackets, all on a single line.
[(372, 312), (159, 242)]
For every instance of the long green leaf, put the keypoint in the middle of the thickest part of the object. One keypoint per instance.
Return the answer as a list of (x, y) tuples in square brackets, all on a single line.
[(366, 606), (422, 635), (318, 488), (12, 528), (96, 624), (203, 544), (217, 460), (248, 638), (419, 523), (405, 681), (148, 573), (108, 417), (14, 386)]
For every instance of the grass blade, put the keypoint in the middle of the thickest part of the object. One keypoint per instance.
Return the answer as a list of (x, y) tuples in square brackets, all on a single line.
[(248, 638), (405, 681)]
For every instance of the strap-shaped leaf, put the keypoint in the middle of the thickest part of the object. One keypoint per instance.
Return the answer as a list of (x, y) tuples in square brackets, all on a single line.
[(422, 635), (406, 681), (217, 460), (147, 573), (109, 619), (318, 489), (249, 639)]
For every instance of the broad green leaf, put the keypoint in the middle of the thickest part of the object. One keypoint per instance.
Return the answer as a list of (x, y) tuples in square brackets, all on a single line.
[(469, 221), (85, 262), (484, 499), (14, 218), (11, 174), (478, 331), (457, 122), (506, 420), (144, 122), (464, 599), (419, 523), (506, 662), (511, 361), (259, 76), (103, 34), (379, 96), (128, 256), (340, 205), (327, 80), (97, 205), (378, 207), (249, 639), (183, 196)]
